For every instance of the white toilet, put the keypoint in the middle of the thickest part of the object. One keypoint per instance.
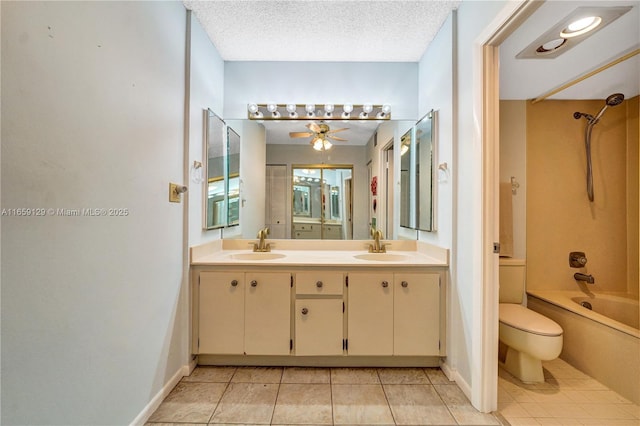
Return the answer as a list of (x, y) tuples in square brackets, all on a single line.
[(529, 337)]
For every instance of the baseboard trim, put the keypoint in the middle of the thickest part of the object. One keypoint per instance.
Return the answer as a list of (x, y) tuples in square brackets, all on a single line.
[(453, 375), (155, 402)]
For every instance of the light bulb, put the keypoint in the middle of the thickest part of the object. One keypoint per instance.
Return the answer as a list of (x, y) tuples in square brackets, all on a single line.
[(347, 108), (275, 114), (253, 108), (386, 108), (258, 114), (363, 115), (367, 108), (327, 145), (272, 107), (310, 108), (328, 107), (317, 144)]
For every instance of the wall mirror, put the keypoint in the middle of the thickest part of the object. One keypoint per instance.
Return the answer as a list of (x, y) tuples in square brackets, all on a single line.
[(215, 189), (233, 177), (322, 202), (417, 175), (222, 188)]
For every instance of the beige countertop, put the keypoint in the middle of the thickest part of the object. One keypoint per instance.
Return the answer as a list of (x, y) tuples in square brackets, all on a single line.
[(319, 253)]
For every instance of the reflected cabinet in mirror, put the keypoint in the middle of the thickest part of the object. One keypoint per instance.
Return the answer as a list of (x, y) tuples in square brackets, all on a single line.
[(322, 200), (222, 189), (417, 190)]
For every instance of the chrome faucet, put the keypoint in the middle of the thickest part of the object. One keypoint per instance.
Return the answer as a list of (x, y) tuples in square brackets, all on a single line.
[(377, 247), (579, 276), (262, 246)]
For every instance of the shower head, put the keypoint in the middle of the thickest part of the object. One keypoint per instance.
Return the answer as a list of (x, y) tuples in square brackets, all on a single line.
[(615, 99), (612, 100)]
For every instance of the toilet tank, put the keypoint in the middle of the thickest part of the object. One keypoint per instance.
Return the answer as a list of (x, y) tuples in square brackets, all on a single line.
[(512, 274)]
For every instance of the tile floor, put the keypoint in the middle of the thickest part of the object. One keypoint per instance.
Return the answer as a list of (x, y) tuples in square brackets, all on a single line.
[(567, 397), (318, 396)]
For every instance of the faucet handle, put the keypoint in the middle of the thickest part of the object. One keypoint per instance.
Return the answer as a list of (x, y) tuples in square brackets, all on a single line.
[(577, 259)]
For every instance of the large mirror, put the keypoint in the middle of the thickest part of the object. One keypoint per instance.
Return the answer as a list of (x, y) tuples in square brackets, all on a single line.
[(417, 191), (350, 206), (222, 188)]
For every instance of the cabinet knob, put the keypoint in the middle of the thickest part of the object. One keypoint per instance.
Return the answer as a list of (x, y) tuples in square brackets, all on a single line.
[(319, 284), (234, 283), (385, 284), (254, 283), (404, 284), (305, 311)]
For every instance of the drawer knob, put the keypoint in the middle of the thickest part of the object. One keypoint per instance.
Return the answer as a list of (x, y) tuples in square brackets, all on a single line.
[(385, 284), (319, 284), (404, 284), (305, 311), (254, 283), (234, 283)]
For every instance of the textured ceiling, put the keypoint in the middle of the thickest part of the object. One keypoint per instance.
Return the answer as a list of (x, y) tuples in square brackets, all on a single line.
[(351, 30)]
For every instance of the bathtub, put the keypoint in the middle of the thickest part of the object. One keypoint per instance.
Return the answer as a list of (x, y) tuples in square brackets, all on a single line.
[(603, 342)]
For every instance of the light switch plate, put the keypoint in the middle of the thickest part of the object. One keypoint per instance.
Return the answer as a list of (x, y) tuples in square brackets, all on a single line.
[(174, 196)]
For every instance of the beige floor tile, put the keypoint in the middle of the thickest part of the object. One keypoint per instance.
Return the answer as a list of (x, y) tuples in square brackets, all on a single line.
[(564, 411), (189, 403), (512, 409), (549, 396), (576, 395), (632, 409), (360, 405), (417, 405), (303, 404), (354, 376), (247, 403), (523, 421), (210, 374), (436, 376), (306, 375), (610, 422), (461, 408), (257, 375), (534, 409), (403, 376), (605, 396), (605, 411), (175, 424)]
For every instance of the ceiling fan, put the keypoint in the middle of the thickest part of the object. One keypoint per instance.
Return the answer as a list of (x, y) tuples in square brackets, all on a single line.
[(320, 135)]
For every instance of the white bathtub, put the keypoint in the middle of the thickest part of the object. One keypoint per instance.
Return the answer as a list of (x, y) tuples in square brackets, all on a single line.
[(603, 342)]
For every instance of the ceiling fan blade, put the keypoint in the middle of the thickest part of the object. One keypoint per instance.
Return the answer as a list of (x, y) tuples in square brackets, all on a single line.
[(300, 134), (337, 130), (335, 138), (314, 127)]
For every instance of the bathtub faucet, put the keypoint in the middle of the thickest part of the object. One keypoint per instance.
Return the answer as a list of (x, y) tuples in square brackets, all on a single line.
[(578, 276)]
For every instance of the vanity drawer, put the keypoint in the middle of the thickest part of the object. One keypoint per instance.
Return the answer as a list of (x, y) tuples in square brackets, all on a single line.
[(319, 282)]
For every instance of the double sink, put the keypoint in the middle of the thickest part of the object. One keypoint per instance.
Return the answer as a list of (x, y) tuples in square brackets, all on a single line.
[(374, 257)]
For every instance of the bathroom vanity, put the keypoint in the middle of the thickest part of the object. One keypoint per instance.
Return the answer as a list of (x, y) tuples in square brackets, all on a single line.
[(334, 304)]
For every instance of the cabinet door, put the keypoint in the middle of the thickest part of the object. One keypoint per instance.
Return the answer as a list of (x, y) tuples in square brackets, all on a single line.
[(416, 323), (318, 327), (221, 313), (267, 327), (370, 314)]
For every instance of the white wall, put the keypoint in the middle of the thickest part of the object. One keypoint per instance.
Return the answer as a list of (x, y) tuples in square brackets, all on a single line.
[(206, 83), (435, 82), (319, 82), (92, 117), (467, 302)]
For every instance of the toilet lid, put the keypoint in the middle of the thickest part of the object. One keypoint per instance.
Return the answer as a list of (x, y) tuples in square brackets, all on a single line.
[(517, 316)]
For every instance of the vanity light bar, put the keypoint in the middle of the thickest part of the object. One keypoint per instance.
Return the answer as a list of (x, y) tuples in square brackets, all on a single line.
[(272, 111)]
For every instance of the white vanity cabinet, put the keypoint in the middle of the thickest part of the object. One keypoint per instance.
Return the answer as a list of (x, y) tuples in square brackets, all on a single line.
[(416, 314), (221, 313), (370, 313), (319, 313), (267, 324)]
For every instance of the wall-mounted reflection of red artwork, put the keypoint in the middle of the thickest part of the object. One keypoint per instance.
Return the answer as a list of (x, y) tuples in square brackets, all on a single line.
[(374, 185)]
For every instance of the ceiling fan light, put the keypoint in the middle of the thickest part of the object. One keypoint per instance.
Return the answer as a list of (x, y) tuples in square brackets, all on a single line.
[(327, 145), (317, 144)]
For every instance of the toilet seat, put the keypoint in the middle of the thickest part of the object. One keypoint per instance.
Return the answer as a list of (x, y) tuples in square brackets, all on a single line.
[(521, 318)]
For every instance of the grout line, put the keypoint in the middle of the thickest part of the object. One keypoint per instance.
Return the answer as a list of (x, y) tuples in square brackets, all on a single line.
[(333, 419), (220, 400), (386, 398)]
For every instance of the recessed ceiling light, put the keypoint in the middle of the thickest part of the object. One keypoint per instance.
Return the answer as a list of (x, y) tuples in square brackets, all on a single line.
[(551, 46), (581, 26)]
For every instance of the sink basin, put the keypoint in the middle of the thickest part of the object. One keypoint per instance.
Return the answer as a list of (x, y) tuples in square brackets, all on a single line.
[(257, 256), (381, 257)]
